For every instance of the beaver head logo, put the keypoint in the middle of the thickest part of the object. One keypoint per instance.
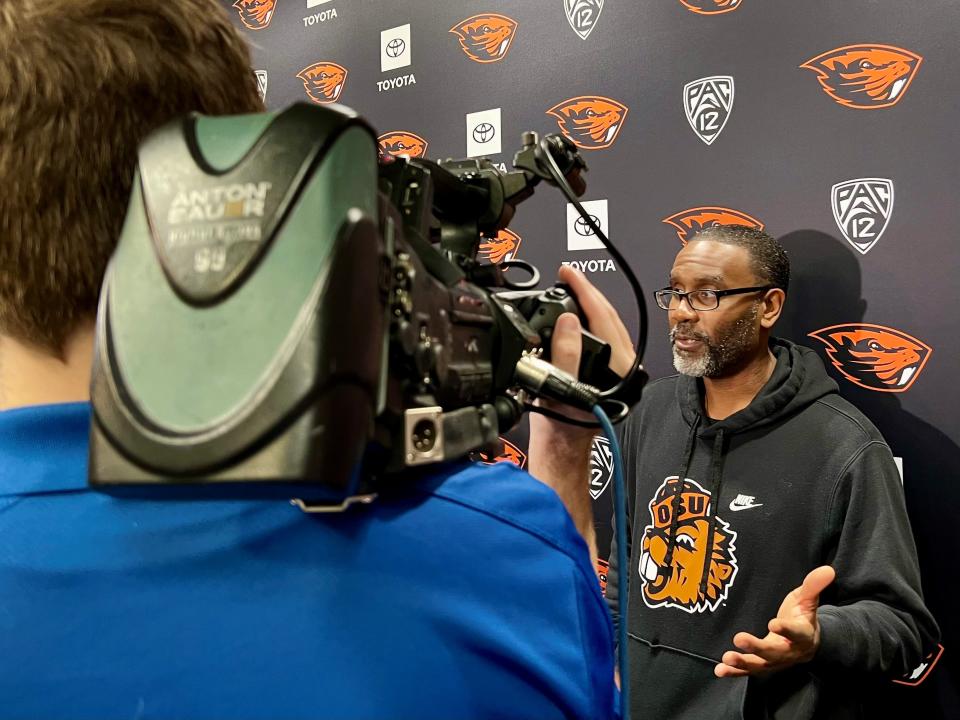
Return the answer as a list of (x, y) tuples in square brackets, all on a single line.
[(502, 247), (603, 568), (506, 452), (486, 38), (590, 121), (689, 222), (673, 579), (323, 81), (710, 7), (873, 356), (865, 77), (255, 14), (401, 143)]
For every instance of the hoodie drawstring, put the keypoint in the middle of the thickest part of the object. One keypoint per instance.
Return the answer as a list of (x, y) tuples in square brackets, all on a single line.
[(675, 500), (716, 484)]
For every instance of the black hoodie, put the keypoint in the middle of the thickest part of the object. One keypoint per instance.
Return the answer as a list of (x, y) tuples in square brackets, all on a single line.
[(797, 479)]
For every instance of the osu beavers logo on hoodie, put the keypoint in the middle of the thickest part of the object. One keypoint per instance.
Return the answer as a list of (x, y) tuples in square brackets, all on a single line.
[(865, 77), (678, 552)]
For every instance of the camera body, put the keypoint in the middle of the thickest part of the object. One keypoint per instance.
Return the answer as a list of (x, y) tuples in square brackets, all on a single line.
[(286, 317)]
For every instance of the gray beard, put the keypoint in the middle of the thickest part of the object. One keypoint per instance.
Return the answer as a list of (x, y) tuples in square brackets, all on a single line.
[(733, 342), (693, 365)]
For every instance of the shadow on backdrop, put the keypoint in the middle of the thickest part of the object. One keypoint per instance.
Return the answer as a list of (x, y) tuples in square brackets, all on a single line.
[(826, 289)]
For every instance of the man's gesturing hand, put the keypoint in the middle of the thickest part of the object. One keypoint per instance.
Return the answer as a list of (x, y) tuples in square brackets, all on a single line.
[(794, 633)]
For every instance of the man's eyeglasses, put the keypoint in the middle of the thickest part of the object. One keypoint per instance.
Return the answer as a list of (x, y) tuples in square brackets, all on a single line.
[(701, 299)]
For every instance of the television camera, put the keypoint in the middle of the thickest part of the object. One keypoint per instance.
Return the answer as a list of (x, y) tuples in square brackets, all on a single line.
[(286, 316)]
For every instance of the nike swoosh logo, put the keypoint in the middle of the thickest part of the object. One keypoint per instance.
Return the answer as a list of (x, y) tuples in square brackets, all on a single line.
[(736, 507)]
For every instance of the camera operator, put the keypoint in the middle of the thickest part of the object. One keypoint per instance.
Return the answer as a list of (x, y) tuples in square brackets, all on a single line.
[(467, 593)]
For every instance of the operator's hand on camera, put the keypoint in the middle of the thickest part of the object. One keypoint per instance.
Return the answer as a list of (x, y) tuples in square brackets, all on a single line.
[(602, 319), (793, 637), (604, 322), (559, 454)]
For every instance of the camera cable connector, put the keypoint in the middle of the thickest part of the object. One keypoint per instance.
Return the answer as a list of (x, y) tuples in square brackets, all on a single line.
[(542, 379)]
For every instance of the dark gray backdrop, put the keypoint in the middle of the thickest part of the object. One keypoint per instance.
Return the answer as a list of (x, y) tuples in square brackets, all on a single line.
[(785, 143)]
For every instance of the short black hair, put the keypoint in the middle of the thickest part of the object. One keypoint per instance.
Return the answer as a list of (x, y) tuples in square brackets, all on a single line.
[(768, 259)]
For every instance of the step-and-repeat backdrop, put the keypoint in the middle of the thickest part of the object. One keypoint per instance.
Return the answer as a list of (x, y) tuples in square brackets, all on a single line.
[(832, 125)]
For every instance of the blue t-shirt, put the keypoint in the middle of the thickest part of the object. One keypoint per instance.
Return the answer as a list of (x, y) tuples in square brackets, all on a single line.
[(470, 596)]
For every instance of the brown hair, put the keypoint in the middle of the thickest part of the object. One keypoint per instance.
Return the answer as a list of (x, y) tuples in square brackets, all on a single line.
[(81, 83)]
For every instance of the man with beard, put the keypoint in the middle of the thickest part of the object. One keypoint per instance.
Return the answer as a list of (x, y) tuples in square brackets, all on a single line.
[(772, 572)]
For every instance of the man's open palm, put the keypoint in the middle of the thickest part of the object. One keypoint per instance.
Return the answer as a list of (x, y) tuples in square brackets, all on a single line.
[(794, 633)]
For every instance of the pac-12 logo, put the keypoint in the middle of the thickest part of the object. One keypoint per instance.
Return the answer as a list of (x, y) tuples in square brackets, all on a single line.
[(689, 222), (873, 356), (503, 246), (862, 209), (865, 77), (583, 15), (710, 7), (255, 14), (601, 465), (261, 77), (505, 451), (401, 143), (676, 551), (486, 38), (591, 122), (323, 81), (708, 103)]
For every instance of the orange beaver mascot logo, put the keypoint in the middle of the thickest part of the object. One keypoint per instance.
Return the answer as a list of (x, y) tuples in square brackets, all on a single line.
[(401, 143), (502, 247), (865, 77), (505, 451), (590, 121), (711, 7), (873, 356), (676, 582), (323, 81), (255, 14), (689, 222), (486, 38)]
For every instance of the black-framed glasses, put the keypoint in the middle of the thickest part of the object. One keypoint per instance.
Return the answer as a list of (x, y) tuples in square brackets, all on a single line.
[(701, 299)]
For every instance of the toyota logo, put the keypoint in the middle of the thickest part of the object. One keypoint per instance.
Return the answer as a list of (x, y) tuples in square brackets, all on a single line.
[(484, 132), (395, 47), (582, 228)]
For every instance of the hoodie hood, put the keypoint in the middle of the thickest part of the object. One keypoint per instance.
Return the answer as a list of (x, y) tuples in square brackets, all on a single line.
[(798, 380)]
